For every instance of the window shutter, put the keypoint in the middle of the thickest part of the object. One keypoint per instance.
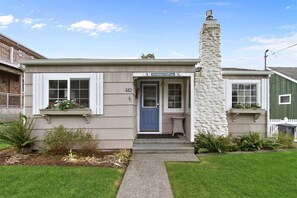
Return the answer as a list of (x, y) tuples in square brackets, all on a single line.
[(37, 93), (99, 93)]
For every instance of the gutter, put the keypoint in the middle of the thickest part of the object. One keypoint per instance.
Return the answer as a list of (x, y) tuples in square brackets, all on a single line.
[(248, 73), (106, 62)]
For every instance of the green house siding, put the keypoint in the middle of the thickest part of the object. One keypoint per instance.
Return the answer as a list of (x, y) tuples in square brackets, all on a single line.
[(280, 86)]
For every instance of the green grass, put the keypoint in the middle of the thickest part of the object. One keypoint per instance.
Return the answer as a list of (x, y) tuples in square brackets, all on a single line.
[(272, 174), (45, 181), (2, 144)]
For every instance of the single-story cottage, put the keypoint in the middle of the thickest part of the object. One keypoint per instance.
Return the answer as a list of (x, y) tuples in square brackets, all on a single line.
[(125, 98)]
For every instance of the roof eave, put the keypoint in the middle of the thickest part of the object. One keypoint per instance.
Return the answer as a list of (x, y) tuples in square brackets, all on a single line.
[(248, 73), (124, 62)]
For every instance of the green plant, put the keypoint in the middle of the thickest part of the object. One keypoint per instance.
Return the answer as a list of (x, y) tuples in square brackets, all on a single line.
[(249, 142), (207, 142), (65, 104), (242, 106), (60, 140), (285, 140), (89, 148), (123, 156), (271, 143), (18, 133)]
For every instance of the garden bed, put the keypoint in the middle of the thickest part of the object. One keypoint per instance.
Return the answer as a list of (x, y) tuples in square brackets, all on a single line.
[(101, 159)]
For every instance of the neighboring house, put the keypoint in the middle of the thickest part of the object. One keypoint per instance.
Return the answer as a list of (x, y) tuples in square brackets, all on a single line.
[(283, 93), (249, 88), (130, 97), (11, 52)]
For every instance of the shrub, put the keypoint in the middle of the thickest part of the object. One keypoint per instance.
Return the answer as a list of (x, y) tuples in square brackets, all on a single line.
[(207, 142), (285, 140), (249, 142), (122, 157), (271, 143), (60, 140), (18, 133)]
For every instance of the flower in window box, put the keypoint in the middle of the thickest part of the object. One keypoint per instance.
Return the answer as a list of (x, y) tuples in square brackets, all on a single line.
[(65, 104)]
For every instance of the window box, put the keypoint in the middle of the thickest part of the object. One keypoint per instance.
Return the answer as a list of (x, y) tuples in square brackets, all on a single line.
[(47, 113), (255, 112)]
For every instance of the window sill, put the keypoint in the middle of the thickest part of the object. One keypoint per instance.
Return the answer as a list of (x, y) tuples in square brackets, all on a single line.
[(47, 113), (255, 112)]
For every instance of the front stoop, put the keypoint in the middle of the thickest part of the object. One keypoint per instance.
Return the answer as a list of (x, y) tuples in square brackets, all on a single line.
[(162, 145)]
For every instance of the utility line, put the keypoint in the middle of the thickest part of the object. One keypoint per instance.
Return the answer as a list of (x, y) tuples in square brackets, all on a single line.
[(284, 48)]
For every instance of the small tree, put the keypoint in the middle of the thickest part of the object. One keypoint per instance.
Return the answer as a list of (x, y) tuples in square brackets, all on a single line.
[(147, 56)]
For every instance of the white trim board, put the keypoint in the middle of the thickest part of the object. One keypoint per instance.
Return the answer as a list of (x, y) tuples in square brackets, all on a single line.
[(284, 76)]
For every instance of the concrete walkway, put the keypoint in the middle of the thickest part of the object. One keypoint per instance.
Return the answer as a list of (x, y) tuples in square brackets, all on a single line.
[(146, 176)]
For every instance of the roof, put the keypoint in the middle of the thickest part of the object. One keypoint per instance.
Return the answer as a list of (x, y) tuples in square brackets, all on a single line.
[(287, 72), (243, 71), (118, 62), (11, 42)]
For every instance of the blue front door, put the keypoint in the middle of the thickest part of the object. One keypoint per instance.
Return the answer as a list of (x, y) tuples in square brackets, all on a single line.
[(149, 106)]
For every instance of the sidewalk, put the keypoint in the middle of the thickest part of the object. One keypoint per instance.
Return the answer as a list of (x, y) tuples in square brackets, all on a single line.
[(146, 176)]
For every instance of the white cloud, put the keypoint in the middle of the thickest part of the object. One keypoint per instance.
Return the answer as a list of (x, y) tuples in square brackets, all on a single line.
[(93, 29), (177, 54), (272, 43), (288, 27), (38, 26), (3, 27), (27, 21), (6, 20), (289, 7), (83, 25), (252, 56), (108, 27)]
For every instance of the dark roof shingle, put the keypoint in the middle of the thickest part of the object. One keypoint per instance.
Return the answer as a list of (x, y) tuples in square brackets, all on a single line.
[(288, 71)]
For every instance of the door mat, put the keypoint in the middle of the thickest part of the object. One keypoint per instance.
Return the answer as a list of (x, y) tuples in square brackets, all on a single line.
[(156, 136)]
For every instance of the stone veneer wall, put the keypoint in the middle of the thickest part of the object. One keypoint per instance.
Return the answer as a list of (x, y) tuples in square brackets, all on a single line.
[(210, 114)]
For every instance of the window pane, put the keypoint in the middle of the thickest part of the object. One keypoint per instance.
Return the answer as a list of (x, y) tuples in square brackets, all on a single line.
[(149, 95), (244, 94), (285, 99), (53, 84), (84, 93), (63, 84), (174, 95), (53, 94), (57, 90), (79, 90), (84, 84), (74, 84)]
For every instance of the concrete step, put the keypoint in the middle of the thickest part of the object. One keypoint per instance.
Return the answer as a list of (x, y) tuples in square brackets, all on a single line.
[(180, 140), (162, 148)]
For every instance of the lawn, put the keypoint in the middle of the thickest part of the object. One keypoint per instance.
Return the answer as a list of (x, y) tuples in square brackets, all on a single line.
[(3, 145), (272, 174), (46, 181)]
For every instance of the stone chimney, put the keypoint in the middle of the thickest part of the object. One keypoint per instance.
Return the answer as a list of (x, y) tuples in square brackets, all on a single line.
[(210, 113)]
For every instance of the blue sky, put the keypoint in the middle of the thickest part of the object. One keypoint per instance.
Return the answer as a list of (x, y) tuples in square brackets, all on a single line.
[(167, 28)]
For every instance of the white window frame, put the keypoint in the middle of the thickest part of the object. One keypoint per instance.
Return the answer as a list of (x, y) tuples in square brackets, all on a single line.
[(173, 110), (229, 84), (41, 89), (284, 103)]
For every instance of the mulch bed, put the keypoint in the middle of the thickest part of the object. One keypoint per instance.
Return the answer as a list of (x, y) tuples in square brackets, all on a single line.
[(101, 159)]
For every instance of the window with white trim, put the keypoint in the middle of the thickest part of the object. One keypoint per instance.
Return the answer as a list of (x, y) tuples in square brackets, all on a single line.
[(79, 91), (50, 87), (284, 99), (244, 94), (173, 96)]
